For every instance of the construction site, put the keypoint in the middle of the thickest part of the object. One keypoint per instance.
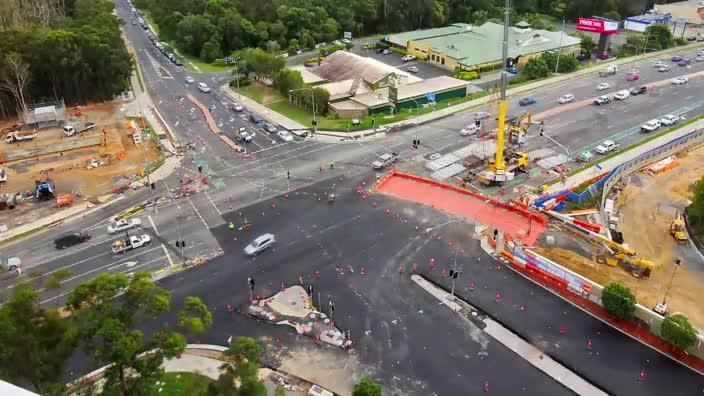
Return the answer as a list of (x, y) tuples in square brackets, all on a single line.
[(57, 156)]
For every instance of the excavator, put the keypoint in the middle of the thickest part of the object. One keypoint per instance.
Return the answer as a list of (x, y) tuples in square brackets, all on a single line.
[(615, 253), (678, 230)]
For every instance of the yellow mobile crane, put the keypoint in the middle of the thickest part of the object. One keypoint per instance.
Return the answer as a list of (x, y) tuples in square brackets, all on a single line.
[(640, 267), (498, 171)]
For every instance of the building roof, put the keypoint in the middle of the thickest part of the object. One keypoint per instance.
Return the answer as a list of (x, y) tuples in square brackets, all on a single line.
[(345, 88), (374, 98), (343, 65), (687, 3), (436, 84), (649, 18), (347, 105), (482, 44), (402, 39), (307, 75)]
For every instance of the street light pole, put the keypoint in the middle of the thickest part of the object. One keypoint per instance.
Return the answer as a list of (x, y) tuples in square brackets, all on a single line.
[(672, 278), (559, 49)]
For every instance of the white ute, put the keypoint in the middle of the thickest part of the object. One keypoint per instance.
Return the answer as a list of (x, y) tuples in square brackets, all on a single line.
[(650, 126), (122, 225), (608, 145), (622, 95), (669, 119), (384, 160), (133, 242)]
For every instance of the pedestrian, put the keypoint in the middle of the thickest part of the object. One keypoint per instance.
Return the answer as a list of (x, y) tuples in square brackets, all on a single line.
[(332, 164), (288, 175)]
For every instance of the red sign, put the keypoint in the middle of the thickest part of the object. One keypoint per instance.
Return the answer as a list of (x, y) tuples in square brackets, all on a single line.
[(597, 25)]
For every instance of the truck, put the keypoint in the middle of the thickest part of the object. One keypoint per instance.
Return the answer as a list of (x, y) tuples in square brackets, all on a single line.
[(10, 263), (73, 130), (18, 136), (132, 242), (608, 71), (607, 146)]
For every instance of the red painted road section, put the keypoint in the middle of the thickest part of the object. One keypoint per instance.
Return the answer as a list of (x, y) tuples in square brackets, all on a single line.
[(514, 221)]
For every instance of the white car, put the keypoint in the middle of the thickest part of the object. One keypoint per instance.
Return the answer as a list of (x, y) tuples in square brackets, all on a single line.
[(469, 130), (122, 225), (285, 136), (203, 87), (699, 58), (658, 64), (608, 145), (669, 119), (567, 98), (190, 80), (413, 69), (664, 68), (650, 126), (622, 95), (680, 80), (260, 244), (603, 86), (381, 128), (481, 115), (384, 160), (237, 107), (408, 58)]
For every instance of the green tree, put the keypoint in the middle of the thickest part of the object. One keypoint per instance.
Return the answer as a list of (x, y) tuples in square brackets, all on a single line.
[(280, 391), (322, 97), (677, 330), (193, 32), (109, 333), (194, 317), (239, 376), (36, 342), (211, 51), (536, 68), (659, 34), (568, 63), (618, 301), (57, 278), (288, 80), (695, 211), (367, 387), (586, 42), (267, 66)]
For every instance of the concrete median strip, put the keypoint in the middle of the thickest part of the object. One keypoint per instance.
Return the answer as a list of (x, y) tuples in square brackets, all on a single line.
[(513, 342)]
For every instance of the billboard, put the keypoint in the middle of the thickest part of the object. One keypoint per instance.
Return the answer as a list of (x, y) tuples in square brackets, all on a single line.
[(597, 25)]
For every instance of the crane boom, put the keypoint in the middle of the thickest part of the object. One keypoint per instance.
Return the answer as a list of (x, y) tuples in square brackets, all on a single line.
[(499, 163)]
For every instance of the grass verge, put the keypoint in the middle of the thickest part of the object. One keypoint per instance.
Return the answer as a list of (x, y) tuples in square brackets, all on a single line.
[(139, 75), (182, 383)]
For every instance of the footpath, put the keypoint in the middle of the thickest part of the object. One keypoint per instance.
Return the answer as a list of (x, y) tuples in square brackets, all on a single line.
[(263, 111)]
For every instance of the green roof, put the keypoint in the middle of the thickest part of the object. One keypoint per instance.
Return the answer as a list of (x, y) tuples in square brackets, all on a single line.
[(401, 39), (482, 44)]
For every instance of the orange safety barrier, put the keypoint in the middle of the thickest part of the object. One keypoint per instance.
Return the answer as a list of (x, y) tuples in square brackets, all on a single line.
[(589, 226), (230, 143), (206, 113)]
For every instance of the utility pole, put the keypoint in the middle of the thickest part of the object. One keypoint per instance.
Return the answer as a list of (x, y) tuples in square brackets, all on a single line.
[(332, 308), (559, 49), (454, 274), (251, 282)]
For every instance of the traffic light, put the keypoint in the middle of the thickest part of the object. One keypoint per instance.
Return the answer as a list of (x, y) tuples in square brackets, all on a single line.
[(477, 123), (153, 186), (251, 283), (200, 169), (542, 131), (180, 244), (314, 122), (416, 143), (454, 274)]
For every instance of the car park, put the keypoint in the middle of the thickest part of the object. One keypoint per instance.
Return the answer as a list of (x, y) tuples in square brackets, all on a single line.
[(260, 244), (385, 160), (203, 87), (413, 69), (567, 98), (664, 68), (669, 119), (650, 126), (638, 90), (190, 80), (71, 239), (603, 86), (602, 100), (284, 136), (408, 58), (680, 80), (527, 101), (123, 225), (621, 95)]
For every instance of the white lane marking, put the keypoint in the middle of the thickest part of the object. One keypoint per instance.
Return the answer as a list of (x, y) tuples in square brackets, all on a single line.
[(198, 213), (156, 231), (211, 201)]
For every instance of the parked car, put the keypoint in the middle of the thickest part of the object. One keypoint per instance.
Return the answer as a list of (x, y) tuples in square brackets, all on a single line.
[(413, 69), (608, 145), (658, 64), (676, 58), (684, 62), (244, 136), (385, 52), (408, 58), (190, 80), (602, 100), (512, 70), (255, 119), (699, 58), (237, 107), (638, 90), (650, 126), (269, 127), (664, 68), (566, 98), (284, 135), (123, 225), (669, 119), (70, 239), (680, 80), (260, 244), (602, 86), (527, 101), (203, 87), (621, 95)]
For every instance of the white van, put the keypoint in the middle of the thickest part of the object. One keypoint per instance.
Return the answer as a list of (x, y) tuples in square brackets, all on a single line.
[(469, 130)]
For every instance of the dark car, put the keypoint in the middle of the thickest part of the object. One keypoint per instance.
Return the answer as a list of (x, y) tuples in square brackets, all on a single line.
[(676, 58), (684, 62), (527, 101), (639, 90), (255, 119), (269, 128), (71, 239), (177, 62)]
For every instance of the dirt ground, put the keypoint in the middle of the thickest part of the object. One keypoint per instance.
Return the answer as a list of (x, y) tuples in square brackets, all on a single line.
[(121, 159), (646, 209)]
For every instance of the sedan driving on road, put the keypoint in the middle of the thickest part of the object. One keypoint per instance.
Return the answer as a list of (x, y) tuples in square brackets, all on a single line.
[(664, 68), (622, 95), (650, 126), (123, 225), (567, 98), (481, 115), (203, 87), (190, 80), (408, 58), (260, 244), (676, 58), (284, 135), (658, 64), (639, 90), (527, 101), (413, 69), (602, 87), (680, 80), (602, 100)]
